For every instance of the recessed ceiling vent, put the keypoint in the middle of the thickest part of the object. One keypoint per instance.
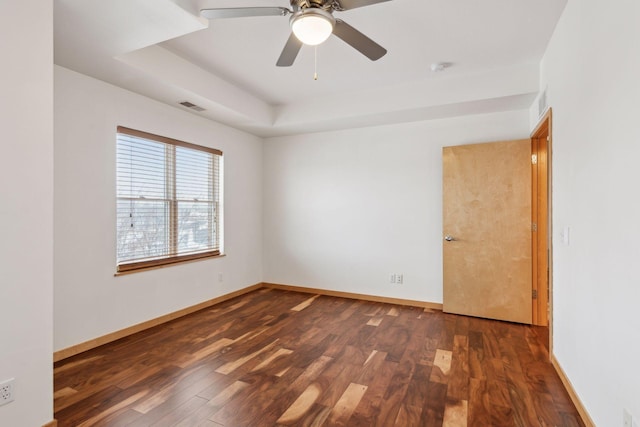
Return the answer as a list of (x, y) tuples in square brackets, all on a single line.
[(193, 106)]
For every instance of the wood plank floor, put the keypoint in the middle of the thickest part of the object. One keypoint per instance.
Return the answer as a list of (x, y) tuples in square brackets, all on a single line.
[(278, 358)]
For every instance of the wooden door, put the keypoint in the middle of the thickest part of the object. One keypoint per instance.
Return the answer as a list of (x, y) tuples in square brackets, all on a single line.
[(487, 230)]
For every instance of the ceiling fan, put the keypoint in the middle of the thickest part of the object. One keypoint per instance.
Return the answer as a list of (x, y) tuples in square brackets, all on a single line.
[(312, 22)]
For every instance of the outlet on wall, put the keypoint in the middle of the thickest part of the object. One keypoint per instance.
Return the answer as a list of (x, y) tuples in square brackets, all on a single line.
[(627, 419), (396, 279), (6, 391)]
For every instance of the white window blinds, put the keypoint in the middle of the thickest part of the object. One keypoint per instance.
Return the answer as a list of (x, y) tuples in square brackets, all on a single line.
[(168, 200)]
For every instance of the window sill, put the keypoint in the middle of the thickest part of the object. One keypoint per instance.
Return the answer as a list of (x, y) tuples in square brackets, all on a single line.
[(166, 264)]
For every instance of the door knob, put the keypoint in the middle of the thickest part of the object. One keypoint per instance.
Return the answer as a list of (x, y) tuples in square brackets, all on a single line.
[(449, 238)]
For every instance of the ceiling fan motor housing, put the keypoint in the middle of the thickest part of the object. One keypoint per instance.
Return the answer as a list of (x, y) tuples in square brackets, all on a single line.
[(315, 4)]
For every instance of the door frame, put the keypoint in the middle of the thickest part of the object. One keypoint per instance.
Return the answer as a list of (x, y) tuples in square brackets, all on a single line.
[(541, 242)]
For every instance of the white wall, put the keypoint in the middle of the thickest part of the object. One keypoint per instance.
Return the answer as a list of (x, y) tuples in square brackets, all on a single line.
[(592, 70), (26, 210), (343, 210), (89, 300)]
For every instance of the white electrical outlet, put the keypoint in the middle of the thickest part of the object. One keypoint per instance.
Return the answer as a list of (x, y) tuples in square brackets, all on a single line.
[(627, 419), (396, 279), (6, 391)]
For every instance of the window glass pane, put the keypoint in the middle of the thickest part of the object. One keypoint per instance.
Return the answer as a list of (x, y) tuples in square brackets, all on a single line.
[(167, 196), (142, 229), (141, 168), (196, 228), (193, 174)]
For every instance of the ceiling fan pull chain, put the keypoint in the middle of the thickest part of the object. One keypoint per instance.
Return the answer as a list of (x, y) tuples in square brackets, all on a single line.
[(315, 62)]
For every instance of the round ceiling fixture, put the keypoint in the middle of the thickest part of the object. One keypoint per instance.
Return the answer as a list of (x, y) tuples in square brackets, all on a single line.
[(312, 26)]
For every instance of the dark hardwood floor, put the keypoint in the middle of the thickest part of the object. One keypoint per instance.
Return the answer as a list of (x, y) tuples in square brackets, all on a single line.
[(278, 358)]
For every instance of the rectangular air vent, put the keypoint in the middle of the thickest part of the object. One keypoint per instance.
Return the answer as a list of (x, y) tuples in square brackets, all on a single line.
[(542, 103), (193, 106)]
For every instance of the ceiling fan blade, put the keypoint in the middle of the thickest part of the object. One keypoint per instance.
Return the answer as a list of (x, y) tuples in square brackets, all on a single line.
[(352, 4), (243, 12), (290, 51), (358, 41)]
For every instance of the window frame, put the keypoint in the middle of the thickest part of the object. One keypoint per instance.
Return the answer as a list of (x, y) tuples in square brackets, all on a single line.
[(174, 257)]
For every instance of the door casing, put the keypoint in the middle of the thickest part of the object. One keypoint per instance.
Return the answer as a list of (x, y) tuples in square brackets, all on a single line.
[(541, 216)]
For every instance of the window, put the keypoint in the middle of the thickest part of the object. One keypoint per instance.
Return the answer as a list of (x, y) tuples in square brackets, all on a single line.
[(168, 200)]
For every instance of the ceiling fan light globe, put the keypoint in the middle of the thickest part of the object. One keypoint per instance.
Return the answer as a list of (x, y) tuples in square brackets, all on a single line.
[(312, 29)]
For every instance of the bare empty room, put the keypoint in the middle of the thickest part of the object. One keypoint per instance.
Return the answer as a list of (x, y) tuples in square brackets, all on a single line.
[(427, 215)]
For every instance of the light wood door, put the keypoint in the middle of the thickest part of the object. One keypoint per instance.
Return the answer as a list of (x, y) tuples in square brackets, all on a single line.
[(487, 230)]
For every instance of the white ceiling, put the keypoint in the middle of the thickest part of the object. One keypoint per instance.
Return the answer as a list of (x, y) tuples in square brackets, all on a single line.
[(164, 50)]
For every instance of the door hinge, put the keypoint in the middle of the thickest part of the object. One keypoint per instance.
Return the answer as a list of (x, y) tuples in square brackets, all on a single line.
[(548, 138), (534, 159), (534, 294), (534, 226)]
